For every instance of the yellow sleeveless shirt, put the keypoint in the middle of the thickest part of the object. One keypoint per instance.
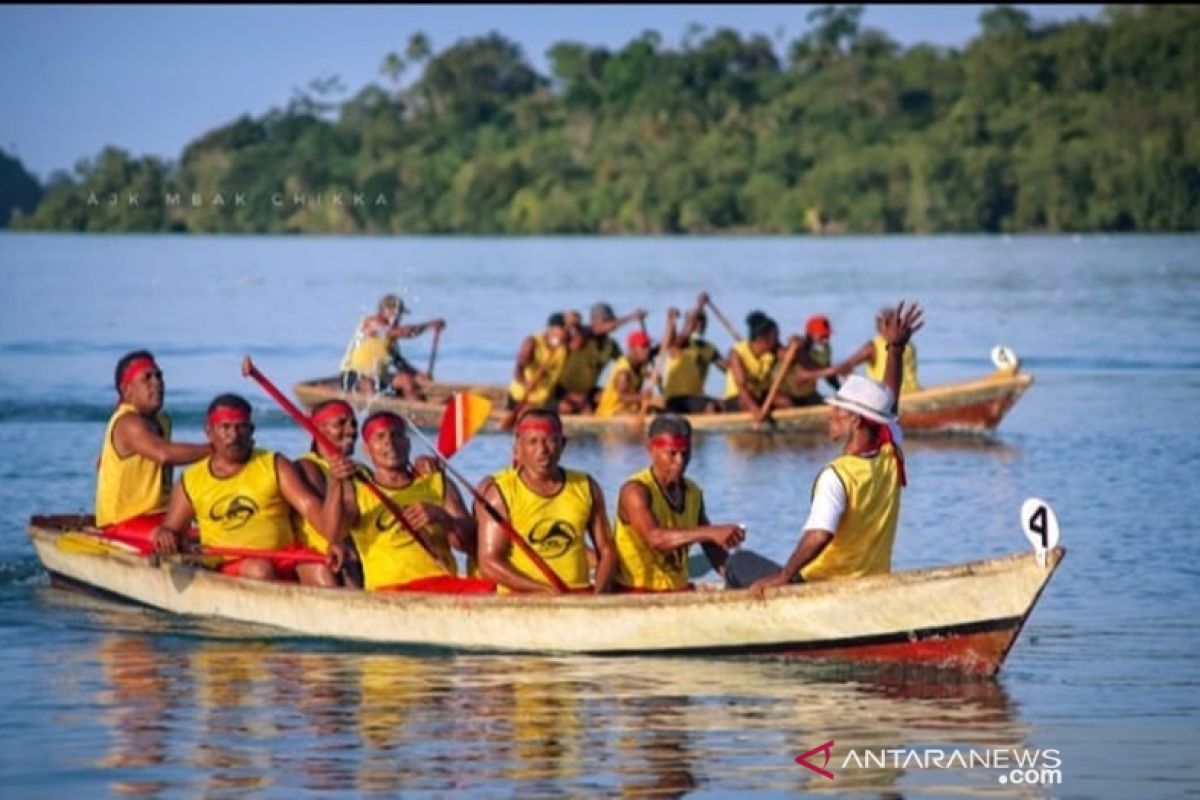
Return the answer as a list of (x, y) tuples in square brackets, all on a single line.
[(306, 534), (554, 527), (244, 510), (758, 372), (687, 371), (543, 354), (862, 544), (370, 356), (640, 566), (610, 401), (390, 555), (131, 486), (908, 372)]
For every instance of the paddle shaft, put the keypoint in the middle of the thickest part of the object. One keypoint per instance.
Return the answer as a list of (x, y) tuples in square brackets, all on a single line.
[(437, 335), (311, 557), (724, 321), (789, 356), (508, 529), (303, 421)]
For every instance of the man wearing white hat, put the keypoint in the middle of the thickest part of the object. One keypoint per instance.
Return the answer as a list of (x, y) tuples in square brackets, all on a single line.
[(856, 498)]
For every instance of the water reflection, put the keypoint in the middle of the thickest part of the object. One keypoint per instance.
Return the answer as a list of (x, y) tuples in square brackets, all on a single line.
[(137, 705), (226, 717)]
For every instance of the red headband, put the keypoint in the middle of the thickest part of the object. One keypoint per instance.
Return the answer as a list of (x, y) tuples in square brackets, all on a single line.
[(669, 442), (227, 414), (540, 425), (135, 368), (333, 409), (376, 423)]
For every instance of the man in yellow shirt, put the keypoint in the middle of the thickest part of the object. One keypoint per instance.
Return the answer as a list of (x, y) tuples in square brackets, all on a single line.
[(590, 349), (660, 515), (689, 356), (551, 508), (134, 471), (874, 354), (242, 497), (812, 363), (392, 559), (752, 367), (623, 392), (539, 363), (856, 499), (374, 349), (334, 418)]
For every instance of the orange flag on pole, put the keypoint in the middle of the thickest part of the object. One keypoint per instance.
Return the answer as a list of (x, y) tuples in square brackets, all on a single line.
[(464, 415)]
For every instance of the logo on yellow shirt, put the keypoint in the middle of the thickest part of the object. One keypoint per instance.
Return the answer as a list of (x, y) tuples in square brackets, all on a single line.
[(552, 538), (233, 512)]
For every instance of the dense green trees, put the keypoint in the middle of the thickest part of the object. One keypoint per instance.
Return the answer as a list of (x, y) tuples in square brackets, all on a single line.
[(1088, 125), (19, 191)]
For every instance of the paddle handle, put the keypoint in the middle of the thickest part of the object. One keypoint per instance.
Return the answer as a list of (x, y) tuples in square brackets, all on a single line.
[(508, 529), (302, 419), (724, 321), (789, 356)]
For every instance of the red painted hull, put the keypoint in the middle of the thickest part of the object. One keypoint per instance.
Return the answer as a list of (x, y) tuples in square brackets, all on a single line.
[(978, 652)]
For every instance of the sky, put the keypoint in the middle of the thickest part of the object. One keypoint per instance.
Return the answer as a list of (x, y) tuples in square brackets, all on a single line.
[(150, 79)]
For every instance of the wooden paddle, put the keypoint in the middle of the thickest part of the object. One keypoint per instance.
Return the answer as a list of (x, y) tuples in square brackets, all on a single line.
[(788, 356), (437, 335), (721, 317), (307, 556), (195, 558), (250, 371), (508, 529)]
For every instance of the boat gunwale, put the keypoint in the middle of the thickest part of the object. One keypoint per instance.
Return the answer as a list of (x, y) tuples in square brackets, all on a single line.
[(40, 527)]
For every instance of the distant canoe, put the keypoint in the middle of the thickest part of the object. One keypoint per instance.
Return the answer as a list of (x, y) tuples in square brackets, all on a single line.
[(963, 618), (970, 407)]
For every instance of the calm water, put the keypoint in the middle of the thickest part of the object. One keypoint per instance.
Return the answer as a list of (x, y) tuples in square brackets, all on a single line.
[(99, 698)]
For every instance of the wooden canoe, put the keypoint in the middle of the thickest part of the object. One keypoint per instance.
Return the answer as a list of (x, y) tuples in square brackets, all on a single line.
[(971, 407), (964, 618)]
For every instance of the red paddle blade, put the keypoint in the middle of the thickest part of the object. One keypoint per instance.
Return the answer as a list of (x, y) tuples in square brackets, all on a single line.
[(464, 416)]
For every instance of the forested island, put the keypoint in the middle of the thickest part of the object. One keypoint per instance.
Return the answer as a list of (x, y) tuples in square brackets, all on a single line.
[(1089, 125)]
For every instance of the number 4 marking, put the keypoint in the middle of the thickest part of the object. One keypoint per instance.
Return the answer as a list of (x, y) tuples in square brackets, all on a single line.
[(1037, 524)]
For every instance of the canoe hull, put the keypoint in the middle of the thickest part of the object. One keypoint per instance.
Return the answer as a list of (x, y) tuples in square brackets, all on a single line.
[(970, 407), (964, 618)]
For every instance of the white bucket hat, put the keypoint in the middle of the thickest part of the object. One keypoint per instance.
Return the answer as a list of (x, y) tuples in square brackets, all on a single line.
[(865, 397)]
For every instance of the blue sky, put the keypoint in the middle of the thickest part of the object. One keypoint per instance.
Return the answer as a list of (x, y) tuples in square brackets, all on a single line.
[(150, 79)]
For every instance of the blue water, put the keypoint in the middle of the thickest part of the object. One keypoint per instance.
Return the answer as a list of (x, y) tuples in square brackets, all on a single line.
[(101, 698)]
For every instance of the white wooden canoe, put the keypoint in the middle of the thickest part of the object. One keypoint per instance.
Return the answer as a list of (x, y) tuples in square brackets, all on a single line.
[(964, 617), (971, 407)]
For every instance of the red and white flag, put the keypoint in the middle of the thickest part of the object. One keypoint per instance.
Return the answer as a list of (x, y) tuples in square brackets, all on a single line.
[(464, 416)]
